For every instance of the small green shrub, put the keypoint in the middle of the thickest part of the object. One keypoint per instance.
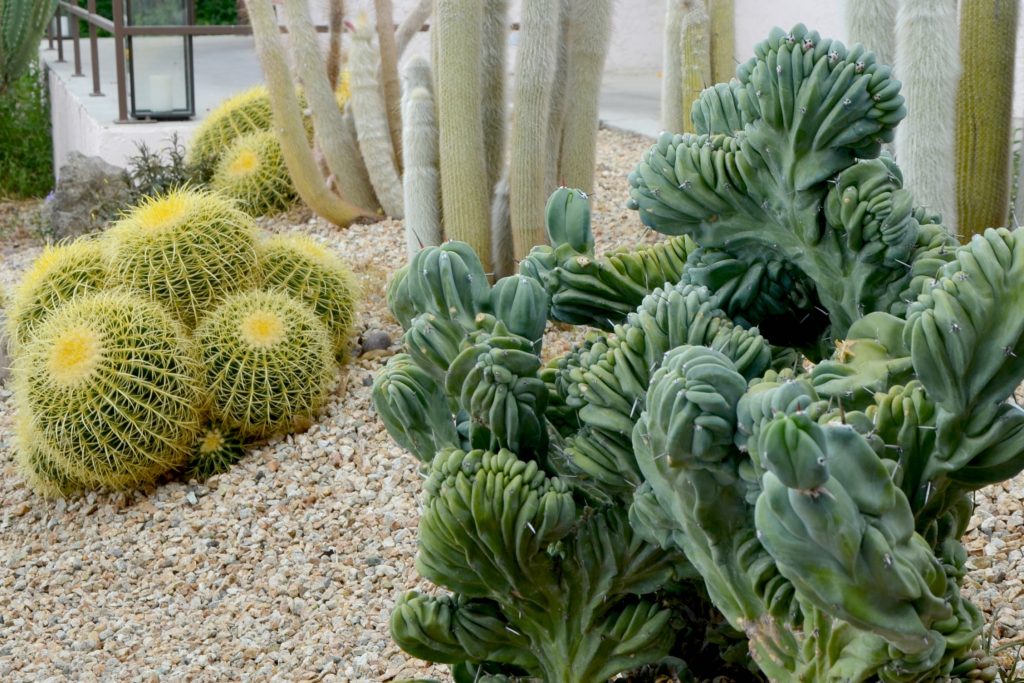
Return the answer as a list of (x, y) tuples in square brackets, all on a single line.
[(26, 153), (151, 173)]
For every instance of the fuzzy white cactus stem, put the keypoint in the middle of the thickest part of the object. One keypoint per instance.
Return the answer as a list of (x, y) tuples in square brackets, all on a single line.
[(495, 106), (929, 68), (369, 112), (538, 55), (458, 94), (384, 14), (420, 183), (412, 24), (333, 141), (872, 23), (589, 34), (298, 155)]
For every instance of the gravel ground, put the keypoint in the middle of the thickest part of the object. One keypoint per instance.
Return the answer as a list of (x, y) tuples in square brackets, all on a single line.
[(286, 567)]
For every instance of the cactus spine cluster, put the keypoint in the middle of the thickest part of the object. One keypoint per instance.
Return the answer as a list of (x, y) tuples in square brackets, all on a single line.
[(930, 72), (107, 375), (313, 274), (110, 385), (186, 249), (266, 361), (984, 110), (59, 274), (690, 486), (253, 173)]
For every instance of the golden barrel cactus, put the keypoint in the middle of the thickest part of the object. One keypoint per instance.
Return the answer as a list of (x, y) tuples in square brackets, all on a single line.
[(246, 112), (267, 362), (185, 249), (60, 273), (110, 384), (301, 266), (215, 452), (253, 173), (41, 471)]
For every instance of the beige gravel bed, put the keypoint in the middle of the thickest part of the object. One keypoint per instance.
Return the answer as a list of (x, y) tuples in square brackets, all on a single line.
[(286, 567)]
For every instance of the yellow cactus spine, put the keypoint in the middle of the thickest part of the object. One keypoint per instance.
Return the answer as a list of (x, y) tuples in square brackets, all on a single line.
[(59, 274), (459, 95), (988, 45), (266, 362), (253, 173), (186, 249), (313, 274), (244, 113), (108, 382)]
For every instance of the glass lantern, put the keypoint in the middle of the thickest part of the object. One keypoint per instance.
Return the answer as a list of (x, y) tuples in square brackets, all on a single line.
[(160, 66)]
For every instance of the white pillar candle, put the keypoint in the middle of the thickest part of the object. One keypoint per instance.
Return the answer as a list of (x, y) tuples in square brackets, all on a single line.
[(160, 96)]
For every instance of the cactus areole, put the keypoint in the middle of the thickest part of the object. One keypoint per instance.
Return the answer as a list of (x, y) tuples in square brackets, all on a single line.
[(683, 486)]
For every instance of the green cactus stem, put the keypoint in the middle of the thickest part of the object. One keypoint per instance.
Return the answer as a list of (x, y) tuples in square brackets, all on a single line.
[(984, 104), (723, 39), (459, 95), (589, 34)]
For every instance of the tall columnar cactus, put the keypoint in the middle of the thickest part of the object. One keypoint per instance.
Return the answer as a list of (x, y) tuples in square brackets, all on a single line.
[(459, 96), (930, 72), (22, 23), (687, 62), (590, 28), (723, 39), (309, 182), (692, 458), (369, 111), (872, 23), (984, 110), (535, 69), (493, 59), (421, 185)]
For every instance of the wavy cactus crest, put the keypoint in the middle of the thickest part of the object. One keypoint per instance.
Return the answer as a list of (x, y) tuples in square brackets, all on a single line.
[(691, 471)]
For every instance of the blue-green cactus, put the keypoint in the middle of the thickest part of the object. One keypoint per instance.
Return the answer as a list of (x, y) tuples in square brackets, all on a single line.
[(777, 442)]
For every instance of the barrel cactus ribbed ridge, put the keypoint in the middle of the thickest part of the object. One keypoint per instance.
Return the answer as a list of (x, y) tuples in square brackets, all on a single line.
[(689, 487)]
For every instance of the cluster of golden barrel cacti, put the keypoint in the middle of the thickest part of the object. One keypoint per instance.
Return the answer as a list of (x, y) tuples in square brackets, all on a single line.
[(170, 341)]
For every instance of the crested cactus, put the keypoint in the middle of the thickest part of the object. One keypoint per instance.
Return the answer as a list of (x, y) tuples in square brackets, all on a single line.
[(186, 249), (266, 362), (109, 383), (694, 460)]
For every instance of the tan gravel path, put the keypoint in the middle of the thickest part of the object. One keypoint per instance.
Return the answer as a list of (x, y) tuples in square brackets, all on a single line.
[(286, 567)]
